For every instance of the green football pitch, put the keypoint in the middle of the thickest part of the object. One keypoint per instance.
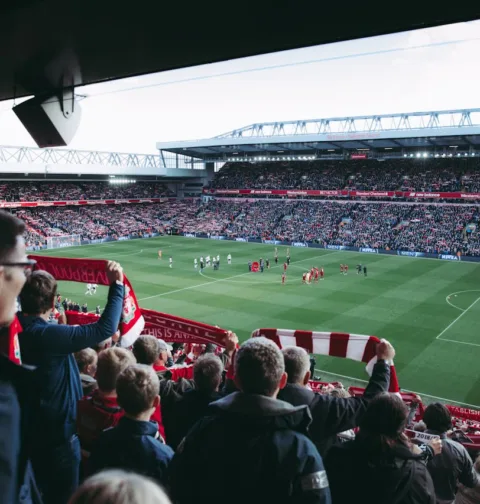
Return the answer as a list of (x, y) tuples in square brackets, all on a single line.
[(428, 309)]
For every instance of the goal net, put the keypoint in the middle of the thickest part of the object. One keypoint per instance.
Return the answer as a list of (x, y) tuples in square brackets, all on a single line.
[(63, 241)]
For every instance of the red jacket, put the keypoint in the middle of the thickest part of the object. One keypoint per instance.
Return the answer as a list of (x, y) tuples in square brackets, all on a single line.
[(97, 413), (177, 372)]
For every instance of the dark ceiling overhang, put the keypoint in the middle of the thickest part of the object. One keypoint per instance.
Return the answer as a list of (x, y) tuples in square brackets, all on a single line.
[(99, 40)]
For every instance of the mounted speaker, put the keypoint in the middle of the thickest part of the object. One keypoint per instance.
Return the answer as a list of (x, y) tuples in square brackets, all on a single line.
[(51, 121)]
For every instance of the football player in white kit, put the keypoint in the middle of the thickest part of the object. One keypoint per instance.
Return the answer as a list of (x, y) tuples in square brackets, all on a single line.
[(171, 262), (94, 288), (229, 258), (207, 260), (89, 290), (195, 264)]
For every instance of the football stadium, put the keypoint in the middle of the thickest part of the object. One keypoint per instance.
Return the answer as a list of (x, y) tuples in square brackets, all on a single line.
[(305, 292)]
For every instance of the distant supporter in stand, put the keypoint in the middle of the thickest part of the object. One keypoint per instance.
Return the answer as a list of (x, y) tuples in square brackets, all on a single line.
[(207, 376), (50, 348), (454, 464), (253, 434), (87, 365), (134, 445), (331, 415), (379, 466)]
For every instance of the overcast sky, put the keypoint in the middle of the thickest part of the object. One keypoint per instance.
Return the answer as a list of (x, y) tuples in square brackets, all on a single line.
[(432, 69)]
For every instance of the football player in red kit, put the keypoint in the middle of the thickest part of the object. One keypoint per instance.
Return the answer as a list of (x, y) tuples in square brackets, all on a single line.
[(345, 269), (285, 266), (322, 273), (316, 275), (304, 277), (341, 269), (284, 277)]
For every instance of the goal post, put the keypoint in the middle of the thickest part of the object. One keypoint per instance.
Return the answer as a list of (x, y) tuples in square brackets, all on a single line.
[(54, 242)]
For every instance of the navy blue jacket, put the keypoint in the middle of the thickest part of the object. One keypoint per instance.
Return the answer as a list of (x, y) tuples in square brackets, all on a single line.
[(15, 467), (133, 446), (332, 415), (50, 348), (187, 412), (252, 449)]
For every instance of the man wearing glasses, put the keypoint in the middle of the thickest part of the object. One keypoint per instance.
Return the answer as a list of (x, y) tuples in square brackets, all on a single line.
[(16, 476)]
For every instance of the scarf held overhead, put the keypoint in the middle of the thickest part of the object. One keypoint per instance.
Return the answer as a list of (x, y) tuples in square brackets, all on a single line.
[(164, 326), (93, 271), (357, 347)]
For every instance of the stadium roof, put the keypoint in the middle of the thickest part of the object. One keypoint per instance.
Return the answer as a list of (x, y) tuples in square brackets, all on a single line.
[(100, 40), (459, 129)]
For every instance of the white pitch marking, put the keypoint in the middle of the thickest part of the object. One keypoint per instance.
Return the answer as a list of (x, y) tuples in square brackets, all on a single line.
[(456, 320)]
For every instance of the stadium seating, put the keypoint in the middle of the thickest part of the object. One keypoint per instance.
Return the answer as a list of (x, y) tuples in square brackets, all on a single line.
[(54, 191), (397, 226), (449, 174)]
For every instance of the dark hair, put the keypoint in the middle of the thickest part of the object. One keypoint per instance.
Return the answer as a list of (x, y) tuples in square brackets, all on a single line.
[(10, 229), (146, 349), (259, 366), (437, 418), (207, 372), (383, 423), (38, 293)]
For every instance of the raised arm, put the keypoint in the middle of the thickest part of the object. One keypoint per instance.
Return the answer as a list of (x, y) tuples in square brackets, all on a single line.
[(62, 339)]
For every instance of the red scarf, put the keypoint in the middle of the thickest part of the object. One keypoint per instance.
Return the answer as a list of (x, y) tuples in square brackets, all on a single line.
[(164, 326), (9, 342), (94, 271)]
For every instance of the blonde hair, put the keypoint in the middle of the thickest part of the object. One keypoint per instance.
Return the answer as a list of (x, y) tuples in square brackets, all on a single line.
[(137, 387), (111, 362), (119, 487)]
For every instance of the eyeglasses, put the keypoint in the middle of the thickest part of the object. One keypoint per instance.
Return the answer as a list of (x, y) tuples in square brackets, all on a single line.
[(26, 265)]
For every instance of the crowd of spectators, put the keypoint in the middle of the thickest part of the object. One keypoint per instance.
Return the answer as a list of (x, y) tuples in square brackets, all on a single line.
[(91, 420), (445, 175), (432, 228), (59, 191)]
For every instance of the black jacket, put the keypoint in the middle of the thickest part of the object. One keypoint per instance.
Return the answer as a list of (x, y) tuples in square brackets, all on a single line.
[(332, 415), (252, 449), (15, 422), (448, 468), (187, 411), (133, 446), (399, 477)]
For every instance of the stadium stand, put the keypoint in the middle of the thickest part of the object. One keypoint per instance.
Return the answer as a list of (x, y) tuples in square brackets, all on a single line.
[(450, 174), (433, 228), (54, 191), (409, 226)]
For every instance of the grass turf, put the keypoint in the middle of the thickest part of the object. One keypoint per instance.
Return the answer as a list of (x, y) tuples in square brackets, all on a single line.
[(429, 309)]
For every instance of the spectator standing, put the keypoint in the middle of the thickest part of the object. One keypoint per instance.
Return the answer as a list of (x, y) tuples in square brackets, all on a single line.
[(134, 445), (101, 410), (251, 433), (469, 495), (54, 443), (379, 467), (16, 475), (454, 464), (87, 360), (207, 376), (331, 415)]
